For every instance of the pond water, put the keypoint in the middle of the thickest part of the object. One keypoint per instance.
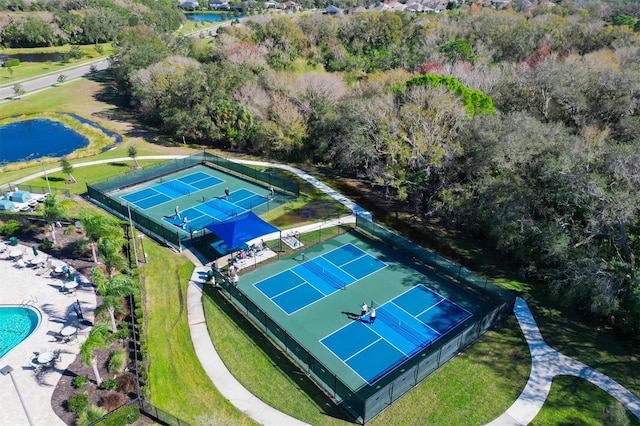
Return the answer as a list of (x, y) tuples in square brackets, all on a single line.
[(208, 17), (37, 57), (40, 137)]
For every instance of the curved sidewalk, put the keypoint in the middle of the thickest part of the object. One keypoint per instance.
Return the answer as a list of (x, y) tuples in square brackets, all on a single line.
[(223, 380), (546, 364)]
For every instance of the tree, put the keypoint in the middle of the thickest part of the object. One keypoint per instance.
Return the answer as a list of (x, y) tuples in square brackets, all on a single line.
[(67, 169), (53, 212), (110, 250), (96, 339), (458, 50), (97, 227), (132, 152), (19, 91), (61, 79), (112, 290)]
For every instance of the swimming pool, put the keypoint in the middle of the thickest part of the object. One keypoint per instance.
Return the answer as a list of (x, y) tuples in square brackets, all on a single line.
[(16, 324)]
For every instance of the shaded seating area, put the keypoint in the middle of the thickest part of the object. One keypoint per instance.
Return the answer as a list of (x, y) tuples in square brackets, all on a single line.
[(240, 238)]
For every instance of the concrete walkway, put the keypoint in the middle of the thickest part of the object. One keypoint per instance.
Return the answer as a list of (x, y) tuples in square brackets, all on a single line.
[(23, 286), (546, 364), (546, 361)]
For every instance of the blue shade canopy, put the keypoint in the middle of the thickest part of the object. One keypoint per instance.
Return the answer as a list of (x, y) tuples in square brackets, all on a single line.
[(241, 229)]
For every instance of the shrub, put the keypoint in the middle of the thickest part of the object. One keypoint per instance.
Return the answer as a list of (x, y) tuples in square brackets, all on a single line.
[(69, 230), (109, 384), (13, 62), (112, 401), (78, 402), (615, 415), (12, 227), (78, 247), (47, 244), (117, 361), (79, 381), (125, 416), (123, 331), (126, 383), (90, 416)]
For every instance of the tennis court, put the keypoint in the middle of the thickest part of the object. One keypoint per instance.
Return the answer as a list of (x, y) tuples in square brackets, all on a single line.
[(199, 194), (309, 304), (403, 327), (304, 284)]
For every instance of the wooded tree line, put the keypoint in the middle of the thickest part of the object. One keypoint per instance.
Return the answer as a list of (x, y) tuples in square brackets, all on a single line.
[(56, 22), (549, 174)]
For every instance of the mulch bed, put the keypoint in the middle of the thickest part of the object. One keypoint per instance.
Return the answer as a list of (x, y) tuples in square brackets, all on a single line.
[(64, 388)]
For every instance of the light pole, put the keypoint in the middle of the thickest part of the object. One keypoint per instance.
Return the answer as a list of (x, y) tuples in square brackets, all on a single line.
[(7, 370), (144, 253), (45, 176), (133, 234)]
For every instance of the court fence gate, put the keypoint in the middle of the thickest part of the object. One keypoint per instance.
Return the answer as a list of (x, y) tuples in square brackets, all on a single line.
[(369, 401), (161, 230)]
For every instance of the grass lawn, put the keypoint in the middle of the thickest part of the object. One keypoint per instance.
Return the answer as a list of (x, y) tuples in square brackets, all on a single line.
[(82, 97), (569, 398), (177, 382), (88, 175), (35, 69)]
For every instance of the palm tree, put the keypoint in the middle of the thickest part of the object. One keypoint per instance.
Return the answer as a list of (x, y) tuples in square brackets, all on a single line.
[(110, 250), (113, 290), (95, 340), (53, 212), (96, 227)]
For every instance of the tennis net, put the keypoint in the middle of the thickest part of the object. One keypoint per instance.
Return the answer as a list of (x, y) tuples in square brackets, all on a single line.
[(180, 189), (404, 329), (325, 275), (217, 204)]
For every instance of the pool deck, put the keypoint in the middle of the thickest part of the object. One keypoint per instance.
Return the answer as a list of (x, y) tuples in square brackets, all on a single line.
[(23, 286)]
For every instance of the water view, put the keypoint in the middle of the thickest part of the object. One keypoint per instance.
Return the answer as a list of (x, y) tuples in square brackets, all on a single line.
[(209, 17), (41, 137)]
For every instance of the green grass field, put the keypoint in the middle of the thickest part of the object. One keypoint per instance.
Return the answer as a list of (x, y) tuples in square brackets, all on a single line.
[(26, 70)]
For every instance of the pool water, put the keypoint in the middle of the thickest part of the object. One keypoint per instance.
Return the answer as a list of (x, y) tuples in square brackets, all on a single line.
[(16, 324)]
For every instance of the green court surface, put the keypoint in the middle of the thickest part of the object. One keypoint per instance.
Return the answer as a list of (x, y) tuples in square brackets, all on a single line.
[(199, 195), (417, 308)]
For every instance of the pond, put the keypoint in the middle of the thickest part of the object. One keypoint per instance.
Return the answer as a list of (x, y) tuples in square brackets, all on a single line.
[(37, 57), (209, 17), (37, 138)]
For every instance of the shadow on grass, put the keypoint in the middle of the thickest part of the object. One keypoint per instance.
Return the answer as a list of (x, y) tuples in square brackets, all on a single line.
[(279, 359)]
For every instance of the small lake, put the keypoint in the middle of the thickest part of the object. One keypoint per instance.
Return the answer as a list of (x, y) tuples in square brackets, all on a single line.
[(37, 138), (38, 57), (209, 17)]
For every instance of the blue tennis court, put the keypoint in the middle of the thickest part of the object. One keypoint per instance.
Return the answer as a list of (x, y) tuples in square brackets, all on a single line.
[(218, 209), (308, 282), (206, 211), (403, 327), (168, 190)]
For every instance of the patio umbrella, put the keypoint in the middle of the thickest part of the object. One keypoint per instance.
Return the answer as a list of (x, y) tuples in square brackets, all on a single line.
[(35, 251)]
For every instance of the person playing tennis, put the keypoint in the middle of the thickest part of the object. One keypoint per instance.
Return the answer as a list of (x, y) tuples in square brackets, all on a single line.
[(363, 309), (177, 213)]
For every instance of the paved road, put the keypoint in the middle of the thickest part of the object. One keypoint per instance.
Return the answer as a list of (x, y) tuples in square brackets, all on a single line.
[(35, 85)]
